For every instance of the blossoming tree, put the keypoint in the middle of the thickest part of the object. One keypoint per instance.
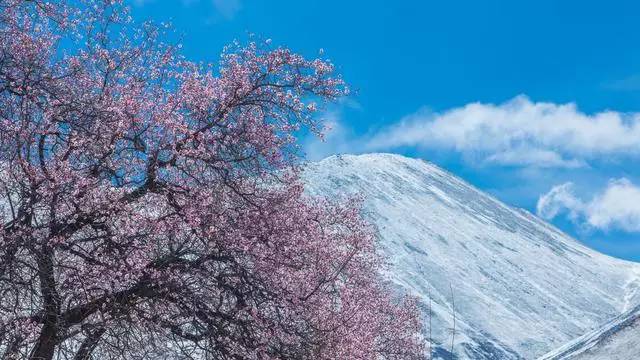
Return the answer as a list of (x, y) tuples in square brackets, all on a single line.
[(151, 206)]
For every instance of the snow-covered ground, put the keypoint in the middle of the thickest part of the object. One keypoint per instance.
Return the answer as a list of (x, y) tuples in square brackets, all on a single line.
[(522, 288)]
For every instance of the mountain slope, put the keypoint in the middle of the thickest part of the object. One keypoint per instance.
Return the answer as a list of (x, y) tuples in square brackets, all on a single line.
[(521, 287), (618, 339)]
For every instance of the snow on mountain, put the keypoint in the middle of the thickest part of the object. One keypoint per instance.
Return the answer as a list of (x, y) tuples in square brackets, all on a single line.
[(521, 287), (618, 339)]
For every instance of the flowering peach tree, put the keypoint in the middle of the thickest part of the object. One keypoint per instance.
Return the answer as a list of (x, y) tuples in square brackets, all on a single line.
[(151, 207)]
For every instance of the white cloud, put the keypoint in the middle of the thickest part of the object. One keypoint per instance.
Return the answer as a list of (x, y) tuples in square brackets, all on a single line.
[(559, 199), (616, 207), (517, 133)]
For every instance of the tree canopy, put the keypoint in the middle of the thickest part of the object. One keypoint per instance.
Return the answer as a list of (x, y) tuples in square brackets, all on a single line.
[(151, 207)]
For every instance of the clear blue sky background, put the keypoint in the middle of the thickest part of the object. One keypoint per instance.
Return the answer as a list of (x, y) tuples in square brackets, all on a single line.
[(429, 57)]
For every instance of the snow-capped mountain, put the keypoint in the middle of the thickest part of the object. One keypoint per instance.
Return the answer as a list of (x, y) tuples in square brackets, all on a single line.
[(521, 287), (618, 339)]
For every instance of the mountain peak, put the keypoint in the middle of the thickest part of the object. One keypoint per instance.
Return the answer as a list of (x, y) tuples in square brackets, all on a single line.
[(373, 159), (381, 156)]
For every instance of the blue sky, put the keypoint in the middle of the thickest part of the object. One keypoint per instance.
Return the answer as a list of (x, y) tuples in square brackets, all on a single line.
[(536, 102)]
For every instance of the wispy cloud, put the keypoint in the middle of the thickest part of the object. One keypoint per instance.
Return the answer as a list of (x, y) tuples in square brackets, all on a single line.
[(227, 8), (337, 137), (532, 157), (142, 2), (629, 83), (519, 132), (615, 207)]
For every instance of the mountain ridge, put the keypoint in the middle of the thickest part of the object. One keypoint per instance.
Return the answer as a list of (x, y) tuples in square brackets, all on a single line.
[(615, 340)]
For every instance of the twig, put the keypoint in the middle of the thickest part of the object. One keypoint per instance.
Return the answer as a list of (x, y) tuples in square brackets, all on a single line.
[(453, 305)]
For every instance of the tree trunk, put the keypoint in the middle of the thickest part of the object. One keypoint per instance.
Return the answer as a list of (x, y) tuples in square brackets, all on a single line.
[(47, 340), (88, 345)]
